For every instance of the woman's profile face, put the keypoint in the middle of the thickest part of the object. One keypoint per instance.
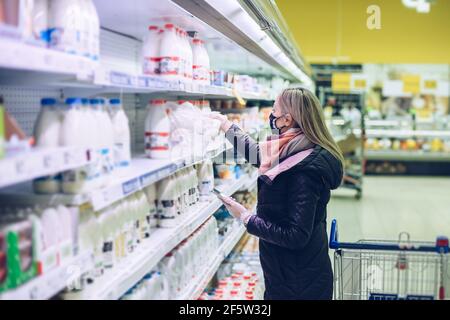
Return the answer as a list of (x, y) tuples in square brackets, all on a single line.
[(276, 109), (284, 119)]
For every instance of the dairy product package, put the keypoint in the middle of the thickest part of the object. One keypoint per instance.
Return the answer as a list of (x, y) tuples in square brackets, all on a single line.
[(157, 130), (170, 54), (121, 128), (150, 51)]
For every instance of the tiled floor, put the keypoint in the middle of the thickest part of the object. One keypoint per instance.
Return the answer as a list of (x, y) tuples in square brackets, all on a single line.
[(390, 205)]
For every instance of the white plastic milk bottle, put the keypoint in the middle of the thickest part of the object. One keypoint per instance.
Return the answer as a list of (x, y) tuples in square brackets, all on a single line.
[(121, 127), (157, 130), (170, 54), (150, 51)]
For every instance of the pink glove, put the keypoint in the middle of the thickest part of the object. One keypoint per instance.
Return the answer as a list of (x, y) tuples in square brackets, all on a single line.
[(225, 124), (236, 209)]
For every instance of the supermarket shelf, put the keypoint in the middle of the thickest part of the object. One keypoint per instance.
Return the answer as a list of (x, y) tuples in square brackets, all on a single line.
[(141, 173), (405, 134), (411, 156), (111, 81), (50, 284), (196, 288), (121, 278), (21, 56), (40, 162)]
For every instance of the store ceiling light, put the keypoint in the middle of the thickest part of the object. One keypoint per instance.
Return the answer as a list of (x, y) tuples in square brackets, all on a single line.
[(421, 6), (234, 12)]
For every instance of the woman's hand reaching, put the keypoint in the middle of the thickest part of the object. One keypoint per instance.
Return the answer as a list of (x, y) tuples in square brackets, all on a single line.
[(225, 124)]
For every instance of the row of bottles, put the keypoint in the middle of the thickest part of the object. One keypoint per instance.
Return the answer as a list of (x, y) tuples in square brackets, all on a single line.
[(91, 124), (71, 26), (115, 232), (239, 286), (181, 191), (171, 54), (118, 230), (180, 267), (175, 129)]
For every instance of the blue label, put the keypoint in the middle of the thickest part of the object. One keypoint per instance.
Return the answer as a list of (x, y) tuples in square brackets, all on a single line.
[(149, 178), (130, 186)]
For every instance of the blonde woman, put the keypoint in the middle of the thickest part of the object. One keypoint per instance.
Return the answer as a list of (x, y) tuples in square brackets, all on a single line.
[(298, 167)]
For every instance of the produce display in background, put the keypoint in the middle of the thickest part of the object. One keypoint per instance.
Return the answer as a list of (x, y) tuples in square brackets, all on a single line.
[(240, 276), (386, 168), (411, 144)]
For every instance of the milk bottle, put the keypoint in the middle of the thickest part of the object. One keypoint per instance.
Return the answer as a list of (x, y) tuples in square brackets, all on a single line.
[(189, 56), (167, 267), (157, 130), (121, 128), (200, 62), (47, 132), (65, 25), (48, 124), (152, 216), (206, 63), (150, 51), (167, 212), (40, 21), (84, 28), (74, 181), (93, 31), (169, 54)]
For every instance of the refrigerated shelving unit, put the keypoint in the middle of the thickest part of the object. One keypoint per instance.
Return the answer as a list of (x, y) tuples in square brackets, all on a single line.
[(28, 73)]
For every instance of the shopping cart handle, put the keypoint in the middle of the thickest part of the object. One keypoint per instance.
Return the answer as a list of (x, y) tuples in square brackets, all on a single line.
[(334, 243)]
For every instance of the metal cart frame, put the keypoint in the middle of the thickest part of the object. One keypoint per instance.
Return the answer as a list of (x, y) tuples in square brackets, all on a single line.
[(390, 270)]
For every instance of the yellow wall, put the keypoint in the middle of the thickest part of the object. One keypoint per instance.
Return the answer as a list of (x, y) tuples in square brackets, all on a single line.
[(405, 36)]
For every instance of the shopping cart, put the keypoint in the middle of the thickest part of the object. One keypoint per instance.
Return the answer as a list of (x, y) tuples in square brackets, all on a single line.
[(390, 270)]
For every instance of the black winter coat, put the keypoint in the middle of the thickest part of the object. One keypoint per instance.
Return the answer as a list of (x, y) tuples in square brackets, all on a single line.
[(291, 223)]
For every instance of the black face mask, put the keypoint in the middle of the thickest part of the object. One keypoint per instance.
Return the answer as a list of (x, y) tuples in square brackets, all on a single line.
[(273, 124)]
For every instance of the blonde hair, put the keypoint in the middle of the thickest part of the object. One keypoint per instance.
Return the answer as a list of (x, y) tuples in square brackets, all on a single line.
[(306, 111)]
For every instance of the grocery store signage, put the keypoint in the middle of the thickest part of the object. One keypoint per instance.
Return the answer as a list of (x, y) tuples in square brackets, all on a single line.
[(411, 83), (348, 82)]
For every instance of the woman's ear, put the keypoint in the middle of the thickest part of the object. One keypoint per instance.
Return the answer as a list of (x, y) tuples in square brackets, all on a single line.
[(288, 120)]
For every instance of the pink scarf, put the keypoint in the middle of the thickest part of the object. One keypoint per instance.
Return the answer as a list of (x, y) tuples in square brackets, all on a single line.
[(278, 146)]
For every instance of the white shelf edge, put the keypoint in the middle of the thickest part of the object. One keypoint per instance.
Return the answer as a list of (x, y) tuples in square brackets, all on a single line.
[(38, 163), (129, 272), (18, 55), (197, 287), (112, 80), (139, 175), (46, 286)]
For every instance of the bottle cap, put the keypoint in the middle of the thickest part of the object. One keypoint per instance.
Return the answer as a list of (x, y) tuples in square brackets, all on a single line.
[(73, 100), (152, 27), (158, 101), (94, 101), (48, 101), (114, 102), (169, 26)]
